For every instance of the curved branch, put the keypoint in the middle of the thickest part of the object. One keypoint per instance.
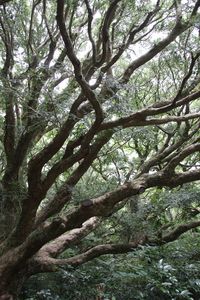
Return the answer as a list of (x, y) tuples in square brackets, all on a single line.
[(131, 37), (164, 153), (181, 155), (100, 206), (65, 191), (105, 249), (77, 65), (90, 19), (109, 16), (178, 29), (178, 231), (95, 252), (138, 120)]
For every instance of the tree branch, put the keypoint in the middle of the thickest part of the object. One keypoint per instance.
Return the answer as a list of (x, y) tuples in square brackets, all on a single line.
[(105, 249), (178, 29), (109, 16), (137, 120), (64, 193), (2, 2), (186, 77), (77, 65), (95, 252), (90, 19), (178, 231), (66, 240), (181, 155)]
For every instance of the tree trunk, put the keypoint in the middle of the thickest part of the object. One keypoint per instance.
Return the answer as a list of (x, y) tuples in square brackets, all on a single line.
[(12, 279), (11, 290)]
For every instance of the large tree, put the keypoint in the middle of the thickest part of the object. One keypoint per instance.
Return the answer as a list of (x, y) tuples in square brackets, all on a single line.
[(82, 81)]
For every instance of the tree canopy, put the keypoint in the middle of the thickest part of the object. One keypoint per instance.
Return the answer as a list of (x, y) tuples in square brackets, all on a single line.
[(99, 118)]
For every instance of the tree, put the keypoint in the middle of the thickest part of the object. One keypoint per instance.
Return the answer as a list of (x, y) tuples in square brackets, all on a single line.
[(91, 88)]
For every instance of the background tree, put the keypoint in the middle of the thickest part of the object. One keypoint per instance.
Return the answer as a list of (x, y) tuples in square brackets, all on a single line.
[(101, 101)]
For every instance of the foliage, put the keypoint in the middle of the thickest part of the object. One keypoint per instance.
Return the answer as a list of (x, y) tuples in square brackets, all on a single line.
[(99, 144), (159, 273)]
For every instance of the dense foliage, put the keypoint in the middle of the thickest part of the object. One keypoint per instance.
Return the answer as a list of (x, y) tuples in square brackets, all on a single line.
[(170, 272), (99, 148)]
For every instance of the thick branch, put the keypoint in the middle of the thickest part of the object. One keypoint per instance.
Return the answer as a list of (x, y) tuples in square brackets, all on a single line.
[(166, 150), (64, 193), (137, 120), (103, 205), (9, 136), (99, 250), (109, 16), (140, 116), (181, 155), (32, 126), (94, 253), (66, 240), (131, 37), (174, 234), (100, 206), (90, 19)]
